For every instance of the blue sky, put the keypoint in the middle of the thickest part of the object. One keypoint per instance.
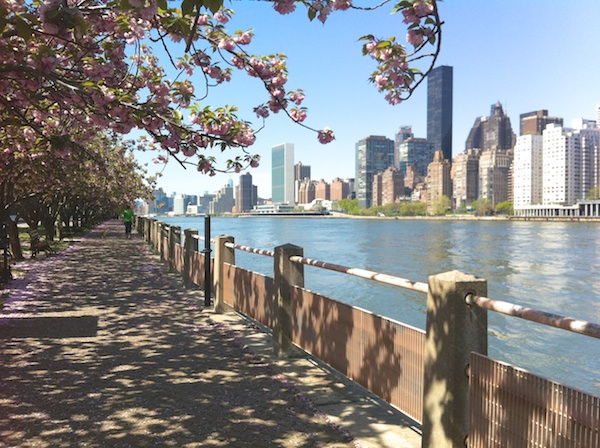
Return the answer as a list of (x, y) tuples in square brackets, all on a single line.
[(527, 54)]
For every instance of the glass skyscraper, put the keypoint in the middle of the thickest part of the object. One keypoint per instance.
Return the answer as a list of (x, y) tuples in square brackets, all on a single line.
[(282, 173), (373, 155), (439, 110)]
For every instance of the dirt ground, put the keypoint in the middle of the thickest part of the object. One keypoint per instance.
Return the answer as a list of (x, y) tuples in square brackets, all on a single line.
[(101, 347)]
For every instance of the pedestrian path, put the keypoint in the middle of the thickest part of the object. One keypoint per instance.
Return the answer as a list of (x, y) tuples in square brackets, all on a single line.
[(101, 347)]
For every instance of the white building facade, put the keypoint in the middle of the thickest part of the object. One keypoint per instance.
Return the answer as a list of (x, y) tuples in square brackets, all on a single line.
[(528, 170), (570, 160)]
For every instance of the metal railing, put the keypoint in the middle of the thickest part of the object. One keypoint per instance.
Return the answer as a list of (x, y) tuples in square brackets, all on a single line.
[(360, 344), (533, 315)]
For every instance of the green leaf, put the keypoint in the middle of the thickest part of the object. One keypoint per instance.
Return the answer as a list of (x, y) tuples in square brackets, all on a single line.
[(187, 7), (162, 4), (214, 5), (402, 5), (23, 29), (312, 13), (81, 24)]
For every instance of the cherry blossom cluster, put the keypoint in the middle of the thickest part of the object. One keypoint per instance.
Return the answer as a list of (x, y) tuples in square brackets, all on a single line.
[(395, 74), (67, 71)]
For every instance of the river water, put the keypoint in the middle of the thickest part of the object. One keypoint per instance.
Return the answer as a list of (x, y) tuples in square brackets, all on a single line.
[(549, 266)]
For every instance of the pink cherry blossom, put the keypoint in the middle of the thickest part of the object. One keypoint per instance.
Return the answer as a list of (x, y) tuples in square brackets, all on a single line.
[(298, 115), (296, 98), (414, 37), (341, 5), (244, 39), (261, 111), (221, 17), (227, 44), (326, 136), (189, 151), (284, 6)]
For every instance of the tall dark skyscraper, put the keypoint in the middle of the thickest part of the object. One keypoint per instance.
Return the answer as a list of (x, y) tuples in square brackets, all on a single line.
[(439, 110)]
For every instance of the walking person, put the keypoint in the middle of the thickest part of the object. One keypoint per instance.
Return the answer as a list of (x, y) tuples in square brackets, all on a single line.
[(128, 220)]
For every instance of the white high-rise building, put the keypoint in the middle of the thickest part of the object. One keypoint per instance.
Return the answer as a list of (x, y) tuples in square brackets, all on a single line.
[(282, 173), (528, 170), (178, 204), (571, 162)]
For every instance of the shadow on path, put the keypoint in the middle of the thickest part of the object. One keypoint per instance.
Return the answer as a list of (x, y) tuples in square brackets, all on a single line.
[(100, 347)]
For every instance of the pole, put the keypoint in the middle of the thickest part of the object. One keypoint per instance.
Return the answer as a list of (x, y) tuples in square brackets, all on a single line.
[(5, 273), (206, 251)]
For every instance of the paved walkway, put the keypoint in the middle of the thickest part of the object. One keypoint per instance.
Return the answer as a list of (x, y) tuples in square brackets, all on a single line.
[(101, 347)]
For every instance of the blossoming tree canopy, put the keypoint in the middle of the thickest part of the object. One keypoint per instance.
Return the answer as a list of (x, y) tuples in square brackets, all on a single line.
[(90, 66)]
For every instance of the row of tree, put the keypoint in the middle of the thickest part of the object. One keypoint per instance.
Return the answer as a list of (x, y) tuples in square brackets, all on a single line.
[(480, 207), (75, 75), (79, 191)]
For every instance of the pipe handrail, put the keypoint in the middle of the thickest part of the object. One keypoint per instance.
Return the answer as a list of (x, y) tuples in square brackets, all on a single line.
[(363, 273), (533, 315), (268, 253), (507, 308)]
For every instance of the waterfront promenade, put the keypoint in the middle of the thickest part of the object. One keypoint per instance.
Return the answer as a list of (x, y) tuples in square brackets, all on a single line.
[(101, 347)]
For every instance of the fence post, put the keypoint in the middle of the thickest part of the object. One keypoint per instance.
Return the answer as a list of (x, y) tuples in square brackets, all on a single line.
[(223, 254), (160, 247), (208, 281), (173, 239), (149, 229), (286, 275), (140, 222), (190, 245), (454, 330), (152, 232), (155, 236)]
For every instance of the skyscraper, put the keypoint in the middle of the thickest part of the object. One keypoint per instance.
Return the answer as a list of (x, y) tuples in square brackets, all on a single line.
[(570, 162), (245, 194), (494, 172), (465, 178), (404, 132), (373, 154), (528, 170), (223, 201), (493, 132), (439, 179), (439, 109), (282, 173), (415, 152), (301, 172), (535, 122)]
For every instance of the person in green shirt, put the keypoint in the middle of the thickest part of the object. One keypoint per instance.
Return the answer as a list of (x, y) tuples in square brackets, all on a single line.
[(128, 219)]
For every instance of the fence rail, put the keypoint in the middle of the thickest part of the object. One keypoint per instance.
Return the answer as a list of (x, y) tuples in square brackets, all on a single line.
[(363, 273), (533, 315), (420, 372)]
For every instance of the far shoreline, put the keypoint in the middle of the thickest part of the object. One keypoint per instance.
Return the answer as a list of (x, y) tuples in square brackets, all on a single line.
[(339, 215)]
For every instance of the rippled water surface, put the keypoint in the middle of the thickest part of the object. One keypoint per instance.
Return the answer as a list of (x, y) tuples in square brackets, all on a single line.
[(550, 266)]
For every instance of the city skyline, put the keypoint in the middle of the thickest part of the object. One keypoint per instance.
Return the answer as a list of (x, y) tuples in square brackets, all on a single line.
[(496, 57)]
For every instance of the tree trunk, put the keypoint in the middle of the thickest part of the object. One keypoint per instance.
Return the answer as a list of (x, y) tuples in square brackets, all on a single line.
[(15, 242)]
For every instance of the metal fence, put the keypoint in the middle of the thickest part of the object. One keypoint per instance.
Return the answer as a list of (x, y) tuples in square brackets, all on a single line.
[(421, 373)]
